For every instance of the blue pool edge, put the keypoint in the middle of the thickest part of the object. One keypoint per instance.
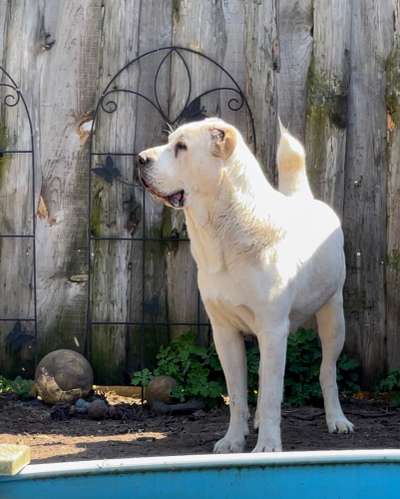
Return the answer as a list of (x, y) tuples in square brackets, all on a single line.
[(204, 461)]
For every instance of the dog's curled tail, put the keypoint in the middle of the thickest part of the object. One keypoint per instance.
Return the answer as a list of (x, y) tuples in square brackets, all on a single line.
[(291, 160)]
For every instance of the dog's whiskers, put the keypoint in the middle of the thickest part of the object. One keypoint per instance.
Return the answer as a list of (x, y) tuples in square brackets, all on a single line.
[(168, 129)]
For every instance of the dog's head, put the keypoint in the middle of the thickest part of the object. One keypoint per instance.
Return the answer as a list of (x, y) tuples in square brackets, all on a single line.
[(191, 162)]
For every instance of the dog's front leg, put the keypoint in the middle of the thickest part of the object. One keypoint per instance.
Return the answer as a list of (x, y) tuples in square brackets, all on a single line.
[(231, 352), (272, 343)]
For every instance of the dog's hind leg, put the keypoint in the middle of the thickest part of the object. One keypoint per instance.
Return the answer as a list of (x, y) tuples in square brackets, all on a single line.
[(331, 330), (231, 352), (291, 160)]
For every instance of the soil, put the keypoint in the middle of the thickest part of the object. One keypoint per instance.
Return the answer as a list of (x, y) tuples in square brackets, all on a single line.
[(135, 431)]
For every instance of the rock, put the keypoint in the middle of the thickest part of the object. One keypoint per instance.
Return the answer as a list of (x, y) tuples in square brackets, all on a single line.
[(159, 389), (81, 406), (63, 376), (97, 409)]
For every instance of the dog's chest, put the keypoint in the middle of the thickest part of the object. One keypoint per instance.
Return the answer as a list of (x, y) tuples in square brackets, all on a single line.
[(226, 301)]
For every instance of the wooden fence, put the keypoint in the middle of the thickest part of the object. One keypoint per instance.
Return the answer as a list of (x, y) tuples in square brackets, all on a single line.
[(331, 69)]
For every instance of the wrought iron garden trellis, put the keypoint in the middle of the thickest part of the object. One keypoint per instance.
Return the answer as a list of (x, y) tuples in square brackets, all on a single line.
[(14, 97), (191, 110)]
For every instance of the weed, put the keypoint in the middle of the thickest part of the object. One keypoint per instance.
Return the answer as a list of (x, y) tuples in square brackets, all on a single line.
[(196, 370), (391, 385), (199, 374), (22, 388)]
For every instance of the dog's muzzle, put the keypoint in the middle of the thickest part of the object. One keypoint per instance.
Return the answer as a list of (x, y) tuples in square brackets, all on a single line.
[(174, 200)]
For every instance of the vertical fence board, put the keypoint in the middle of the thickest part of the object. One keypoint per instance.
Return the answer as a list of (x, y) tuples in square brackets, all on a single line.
[(262, 63), (4, 23), (365, 181), (295, 22), (118, 210), (116, 265), (146, 341), (393, 198), (16, 185), (66, 57), (327, 88)]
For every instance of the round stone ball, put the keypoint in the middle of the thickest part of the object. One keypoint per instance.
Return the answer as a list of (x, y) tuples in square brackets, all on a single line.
[(63, 376), (159, 389)]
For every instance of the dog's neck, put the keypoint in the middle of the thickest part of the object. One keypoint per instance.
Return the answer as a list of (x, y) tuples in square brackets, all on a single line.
[(240, 216)]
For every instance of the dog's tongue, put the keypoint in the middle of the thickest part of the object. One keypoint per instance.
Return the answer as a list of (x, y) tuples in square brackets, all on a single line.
[(176, 199)]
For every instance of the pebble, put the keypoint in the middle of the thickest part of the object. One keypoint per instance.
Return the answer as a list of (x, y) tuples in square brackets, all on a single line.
[(82, 406), (97, 409)]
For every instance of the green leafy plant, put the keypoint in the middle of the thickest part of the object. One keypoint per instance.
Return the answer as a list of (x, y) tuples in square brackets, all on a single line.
[(142, 378), (22, 388), (302, 369), (198, 372), (391, 385)]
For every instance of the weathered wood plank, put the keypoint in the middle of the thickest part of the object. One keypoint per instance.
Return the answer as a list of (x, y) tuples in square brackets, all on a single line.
[(118, 284), (295, 23), (327, 88), (64, 54), (115, 263), (262, 64), (365, 185), (16, 190), (4, 23), (145, 342), (393, 198)]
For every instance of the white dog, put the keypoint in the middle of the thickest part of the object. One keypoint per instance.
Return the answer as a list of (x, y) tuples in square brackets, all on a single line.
[(267, 261)]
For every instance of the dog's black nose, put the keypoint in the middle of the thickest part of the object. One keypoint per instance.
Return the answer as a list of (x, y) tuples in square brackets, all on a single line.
[(142, 159)]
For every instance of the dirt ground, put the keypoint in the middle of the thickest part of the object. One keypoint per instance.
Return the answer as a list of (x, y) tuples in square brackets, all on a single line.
[(53, 436)]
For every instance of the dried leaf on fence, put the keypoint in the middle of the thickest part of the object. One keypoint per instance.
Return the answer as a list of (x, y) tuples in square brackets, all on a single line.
[(42, 211), (391, 125)]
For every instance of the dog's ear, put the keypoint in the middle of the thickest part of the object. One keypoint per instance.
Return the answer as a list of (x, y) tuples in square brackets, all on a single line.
[(223, 141)]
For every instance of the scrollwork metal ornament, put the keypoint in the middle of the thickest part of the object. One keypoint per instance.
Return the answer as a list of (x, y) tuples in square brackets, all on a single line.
[(103, 163), (191, 108), (12, 99), (18, 335)]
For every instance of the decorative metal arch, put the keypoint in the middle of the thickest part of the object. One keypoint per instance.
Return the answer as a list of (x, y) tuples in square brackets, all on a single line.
[(191, 110), (18, 335)]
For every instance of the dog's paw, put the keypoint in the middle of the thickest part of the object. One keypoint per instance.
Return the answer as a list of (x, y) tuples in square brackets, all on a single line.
[(229, 445), (270, 443), (340, 425), (267, 447)]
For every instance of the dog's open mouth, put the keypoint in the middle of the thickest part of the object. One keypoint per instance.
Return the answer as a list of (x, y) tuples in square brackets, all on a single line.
[(176, 200)]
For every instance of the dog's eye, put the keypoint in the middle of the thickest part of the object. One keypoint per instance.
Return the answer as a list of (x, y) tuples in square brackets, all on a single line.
[(180, 146)]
